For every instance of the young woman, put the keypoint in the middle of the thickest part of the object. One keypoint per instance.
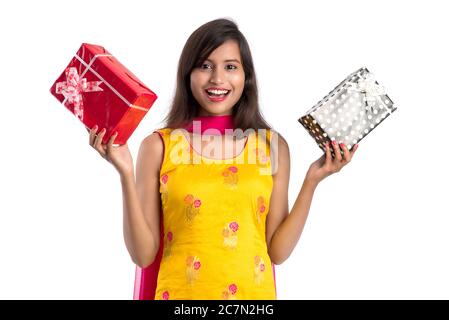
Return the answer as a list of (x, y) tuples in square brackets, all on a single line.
[(206, 216)]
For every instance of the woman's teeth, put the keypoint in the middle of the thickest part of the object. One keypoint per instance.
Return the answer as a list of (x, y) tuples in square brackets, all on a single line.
[(218, 93)]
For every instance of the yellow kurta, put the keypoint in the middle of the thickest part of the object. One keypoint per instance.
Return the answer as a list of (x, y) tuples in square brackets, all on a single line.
[(214, 214)]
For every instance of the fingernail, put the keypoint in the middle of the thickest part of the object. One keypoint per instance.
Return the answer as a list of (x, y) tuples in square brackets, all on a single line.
[(95, 127), (342, 145), (334, 142)]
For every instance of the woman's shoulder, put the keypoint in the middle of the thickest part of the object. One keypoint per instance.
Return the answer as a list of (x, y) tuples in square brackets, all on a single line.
[(158, 139), (269, 135), (275, 142), (151, 152), (162, 131), (276, 136), (153, 143)]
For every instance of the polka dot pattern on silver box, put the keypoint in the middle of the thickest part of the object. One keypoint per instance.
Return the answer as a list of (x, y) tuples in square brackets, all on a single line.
[(349, 112)]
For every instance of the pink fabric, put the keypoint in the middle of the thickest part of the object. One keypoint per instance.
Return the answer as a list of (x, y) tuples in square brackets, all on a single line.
[(146, 278), (212, 122)]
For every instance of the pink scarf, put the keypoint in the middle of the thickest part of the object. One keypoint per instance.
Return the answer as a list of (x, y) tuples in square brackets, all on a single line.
[(146, 278), (219, 123)]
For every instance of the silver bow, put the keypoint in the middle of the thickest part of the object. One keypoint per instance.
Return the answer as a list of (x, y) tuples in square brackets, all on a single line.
[(370, 89)]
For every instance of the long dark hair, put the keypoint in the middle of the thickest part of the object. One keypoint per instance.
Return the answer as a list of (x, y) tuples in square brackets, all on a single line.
[(199, 46)]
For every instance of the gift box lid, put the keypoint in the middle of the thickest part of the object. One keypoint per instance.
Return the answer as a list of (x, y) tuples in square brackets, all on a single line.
[(107, 67)]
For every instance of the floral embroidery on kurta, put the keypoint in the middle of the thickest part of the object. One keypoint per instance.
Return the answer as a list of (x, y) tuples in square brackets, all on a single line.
[(230, 234), (168, 240), (192, 207), (261, 208), (193, 266), (261, 156), (230, 293), (231, 177), (164, 188), (259, 269)]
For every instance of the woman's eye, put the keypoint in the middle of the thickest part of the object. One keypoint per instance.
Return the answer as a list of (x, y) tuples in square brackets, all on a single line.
[(208, 66)]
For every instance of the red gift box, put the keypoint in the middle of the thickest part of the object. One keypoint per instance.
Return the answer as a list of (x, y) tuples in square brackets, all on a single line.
[(99, 90)]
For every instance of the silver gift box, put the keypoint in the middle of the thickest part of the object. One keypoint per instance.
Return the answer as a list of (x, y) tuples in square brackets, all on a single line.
[(349, 112)]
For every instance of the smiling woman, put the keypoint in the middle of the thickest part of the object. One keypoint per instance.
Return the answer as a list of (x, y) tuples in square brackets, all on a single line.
[(213, 230), (218, 83), (216, 58), (217, 245)]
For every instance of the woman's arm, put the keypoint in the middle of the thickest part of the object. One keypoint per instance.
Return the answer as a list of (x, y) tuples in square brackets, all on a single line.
[(141, 203), (284, 229)]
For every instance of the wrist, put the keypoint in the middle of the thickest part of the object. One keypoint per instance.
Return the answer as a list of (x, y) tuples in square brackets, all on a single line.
[(311, 181), (127, 175)]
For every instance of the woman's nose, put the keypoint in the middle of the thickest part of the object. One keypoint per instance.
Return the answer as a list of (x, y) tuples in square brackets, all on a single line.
[(217, 76)]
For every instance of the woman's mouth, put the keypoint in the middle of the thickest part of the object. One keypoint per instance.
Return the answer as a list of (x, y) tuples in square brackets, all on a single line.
[(217, 95)]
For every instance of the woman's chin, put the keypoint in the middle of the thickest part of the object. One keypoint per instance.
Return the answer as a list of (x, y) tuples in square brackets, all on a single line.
[(215, 110)]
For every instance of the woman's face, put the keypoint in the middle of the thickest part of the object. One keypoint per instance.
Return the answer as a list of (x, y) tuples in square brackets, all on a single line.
[(218, 83)]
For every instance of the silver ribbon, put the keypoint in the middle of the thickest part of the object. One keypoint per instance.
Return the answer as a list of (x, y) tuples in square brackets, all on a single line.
[(369, 88)]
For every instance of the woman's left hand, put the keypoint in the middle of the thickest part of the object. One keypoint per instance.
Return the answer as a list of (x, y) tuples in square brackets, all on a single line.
[(325, 165)]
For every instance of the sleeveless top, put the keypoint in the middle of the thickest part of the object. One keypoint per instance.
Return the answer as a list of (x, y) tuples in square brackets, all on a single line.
[(214, 214)]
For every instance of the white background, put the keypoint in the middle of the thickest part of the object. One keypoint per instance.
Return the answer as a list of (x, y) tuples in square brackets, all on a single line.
[(376, 230)]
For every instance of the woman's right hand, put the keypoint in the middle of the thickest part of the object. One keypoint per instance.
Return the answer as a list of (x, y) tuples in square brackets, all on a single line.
[(120, 157)]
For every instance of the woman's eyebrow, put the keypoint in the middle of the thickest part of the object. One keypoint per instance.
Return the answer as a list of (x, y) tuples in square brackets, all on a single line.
[(227, 60)]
